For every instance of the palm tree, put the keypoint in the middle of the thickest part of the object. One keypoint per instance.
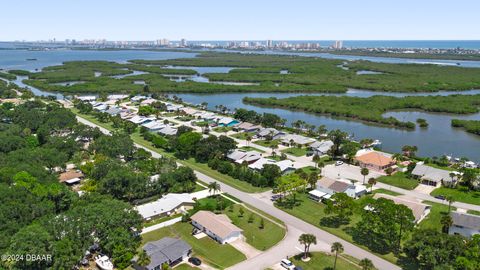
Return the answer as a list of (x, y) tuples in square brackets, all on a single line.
[(316, 159), (273, 147), (165, 266), (248, 138), (143, 258), (366, 264), (321, 130), (450, 200), (372, 182), (364, 172), (446, 222), (312, 179), (213, 186), (337, 247), (306, 240)]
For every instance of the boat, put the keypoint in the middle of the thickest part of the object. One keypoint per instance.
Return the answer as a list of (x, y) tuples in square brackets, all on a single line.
[(376, 143), (103, 262)]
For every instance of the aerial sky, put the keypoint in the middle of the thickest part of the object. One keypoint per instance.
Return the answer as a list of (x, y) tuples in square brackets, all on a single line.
[(240, 20)]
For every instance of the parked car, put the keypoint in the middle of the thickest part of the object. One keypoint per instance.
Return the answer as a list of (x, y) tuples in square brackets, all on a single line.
[(338, 163), (195, 261), (287, 264), (298, 268), (440, 197), (276, 197)]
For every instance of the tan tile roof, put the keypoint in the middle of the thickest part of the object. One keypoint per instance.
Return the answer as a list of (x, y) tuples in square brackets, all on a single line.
[(218, 224), (69, 175), (375, 158)]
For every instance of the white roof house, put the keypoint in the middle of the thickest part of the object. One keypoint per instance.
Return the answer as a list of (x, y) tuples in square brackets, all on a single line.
[(285, 165), (239, 156), (321, 148), (432, 176), (465, 224), (168, 130), (296, 139), (117, 97), (138, 119), (86, 98), (167, 205), (154, 125), (148, 101), (258, 165), (138, 98)]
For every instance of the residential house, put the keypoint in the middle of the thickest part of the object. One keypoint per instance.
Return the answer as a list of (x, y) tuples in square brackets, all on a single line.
[(167, 250), (147, 101), (258, 165), (189, 111), (138, 98), (419, 210), (117, 97), (239, 156), (433, 176), (154, 125), (113, 110), (71, 177), (173, 107), (320, 148), (218, 227), (169, 204), (464, 224), (246, 127), (139, 120), (168, 130), (296, 140), (326, 187), (272, 133), (375, 160), (86, 98), (226, 122)]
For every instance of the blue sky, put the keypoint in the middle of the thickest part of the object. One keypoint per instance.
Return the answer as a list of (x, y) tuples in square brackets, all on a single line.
[(240, 20)]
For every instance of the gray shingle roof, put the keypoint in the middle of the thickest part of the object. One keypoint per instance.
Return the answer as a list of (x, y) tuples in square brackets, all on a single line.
[(165, 250)]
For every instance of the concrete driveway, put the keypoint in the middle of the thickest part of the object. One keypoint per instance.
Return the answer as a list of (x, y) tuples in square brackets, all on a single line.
[(347, 171), (245, 248)]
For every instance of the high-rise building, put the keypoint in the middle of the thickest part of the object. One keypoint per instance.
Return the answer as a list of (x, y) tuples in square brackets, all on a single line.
[(183, 42), (338, 44), (269, 43), (162, 42)]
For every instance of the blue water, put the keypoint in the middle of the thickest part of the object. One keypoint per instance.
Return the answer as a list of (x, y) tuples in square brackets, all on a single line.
[(439, 139)]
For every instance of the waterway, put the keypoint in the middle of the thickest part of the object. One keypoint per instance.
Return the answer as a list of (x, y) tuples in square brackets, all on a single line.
[(438, 139)]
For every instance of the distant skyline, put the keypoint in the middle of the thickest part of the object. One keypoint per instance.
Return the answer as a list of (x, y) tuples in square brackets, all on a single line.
[(243, 20)]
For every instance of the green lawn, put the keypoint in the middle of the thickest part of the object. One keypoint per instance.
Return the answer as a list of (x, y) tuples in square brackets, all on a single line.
[(184, 266), (471, 197), (213, 253), (242, 135), (250, 148), (313, 212), (432, 221), (295, 151), (222, 129), (159, 220), (203, 168), (400, 180), (261, 239), (386, 191), (324, 261), (266, 143), (474, 212)]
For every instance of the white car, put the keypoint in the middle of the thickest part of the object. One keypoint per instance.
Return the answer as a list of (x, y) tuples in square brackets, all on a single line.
[(338, 163), (287, 264)]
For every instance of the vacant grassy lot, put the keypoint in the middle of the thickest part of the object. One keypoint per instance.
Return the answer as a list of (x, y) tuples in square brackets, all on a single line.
[(215, 254), (471, 197), (267, 143), (261, 239), (400, 180), (250, 148)]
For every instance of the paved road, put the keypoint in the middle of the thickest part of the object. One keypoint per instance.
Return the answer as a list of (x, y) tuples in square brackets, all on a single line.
[(295, 227)]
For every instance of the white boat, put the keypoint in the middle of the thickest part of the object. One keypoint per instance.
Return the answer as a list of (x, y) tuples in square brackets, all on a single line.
[(103, 262), (376, 143)]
